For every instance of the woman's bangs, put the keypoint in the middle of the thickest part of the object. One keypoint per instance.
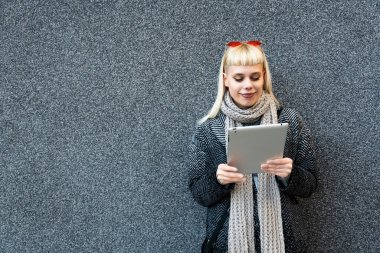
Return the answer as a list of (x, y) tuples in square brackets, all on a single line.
[(244, 56)]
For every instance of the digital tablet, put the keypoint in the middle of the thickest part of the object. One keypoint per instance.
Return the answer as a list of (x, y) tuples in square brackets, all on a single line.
[(250, 146)]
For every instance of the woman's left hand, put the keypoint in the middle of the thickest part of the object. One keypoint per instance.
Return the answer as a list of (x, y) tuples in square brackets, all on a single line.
[(281, 167)]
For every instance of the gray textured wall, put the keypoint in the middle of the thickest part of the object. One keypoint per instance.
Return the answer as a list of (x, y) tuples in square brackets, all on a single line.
[(98, 100)]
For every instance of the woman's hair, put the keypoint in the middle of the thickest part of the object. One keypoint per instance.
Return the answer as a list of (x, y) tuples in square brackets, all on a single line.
[(242, 55)]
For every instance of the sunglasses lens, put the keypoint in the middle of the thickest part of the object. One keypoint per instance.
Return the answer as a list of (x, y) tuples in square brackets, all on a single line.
[(234, 43), (254, 43)]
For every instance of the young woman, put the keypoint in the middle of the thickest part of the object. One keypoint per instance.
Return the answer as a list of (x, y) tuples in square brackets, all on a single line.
[(248, 213)]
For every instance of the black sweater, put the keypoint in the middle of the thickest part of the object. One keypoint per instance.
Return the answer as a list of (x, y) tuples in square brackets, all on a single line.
[(208, 150)]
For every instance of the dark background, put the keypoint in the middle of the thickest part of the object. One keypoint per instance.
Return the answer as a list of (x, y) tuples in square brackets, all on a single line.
[(98, 101)]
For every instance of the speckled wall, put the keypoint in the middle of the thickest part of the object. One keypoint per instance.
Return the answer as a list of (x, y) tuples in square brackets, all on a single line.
[(98, 100)]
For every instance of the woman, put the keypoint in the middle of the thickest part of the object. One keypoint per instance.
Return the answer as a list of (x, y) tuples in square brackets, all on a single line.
[(251, 210)]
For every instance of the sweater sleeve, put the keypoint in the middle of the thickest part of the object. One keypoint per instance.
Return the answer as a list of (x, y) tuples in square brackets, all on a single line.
[(302, 181), (204, 157)]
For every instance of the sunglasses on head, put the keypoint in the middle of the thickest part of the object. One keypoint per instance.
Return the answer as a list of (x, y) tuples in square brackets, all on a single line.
[(254, 43)]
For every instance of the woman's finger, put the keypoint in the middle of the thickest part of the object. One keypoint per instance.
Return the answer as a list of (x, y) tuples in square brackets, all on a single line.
[(225, 167), (280, 161), (228, 180)]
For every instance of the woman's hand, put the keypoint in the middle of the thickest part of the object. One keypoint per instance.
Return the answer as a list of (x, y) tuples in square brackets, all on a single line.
[(226, 175), (281, 167)]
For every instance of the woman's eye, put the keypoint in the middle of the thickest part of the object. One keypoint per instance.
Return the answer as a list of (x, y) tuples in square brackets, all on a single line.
[(239, 79), (255, 77)]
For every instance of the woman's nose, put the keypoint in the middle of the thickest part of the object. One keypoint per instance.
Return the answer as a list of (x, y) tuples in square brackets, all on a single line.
[(248, 84)]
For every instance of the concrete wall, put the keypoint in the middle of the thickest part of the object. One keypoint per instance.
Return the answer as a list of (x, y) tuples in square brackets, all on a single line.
[(98, 100)]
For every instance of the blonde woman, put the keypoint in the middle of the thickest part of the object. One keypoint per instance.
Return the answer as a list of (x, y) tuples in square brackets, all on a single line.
[(248, 213)]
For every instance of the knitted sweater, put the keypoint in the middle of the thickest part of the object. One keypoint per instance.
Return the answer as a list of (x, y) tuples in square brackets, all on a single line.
[(208, 150)]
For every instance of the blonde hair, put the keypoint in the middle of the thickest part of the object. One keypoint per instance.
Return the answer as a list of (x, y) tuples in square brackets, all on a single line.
[(242, 55)]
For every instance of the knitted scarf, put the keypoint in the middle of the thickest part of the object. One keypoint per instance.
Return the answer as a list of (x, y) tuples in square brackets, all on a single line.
[(241, 223)]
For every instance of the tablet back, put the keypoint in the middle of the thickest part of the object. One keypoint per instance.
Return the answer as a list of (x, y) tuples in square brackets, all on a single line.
[(250, 146)]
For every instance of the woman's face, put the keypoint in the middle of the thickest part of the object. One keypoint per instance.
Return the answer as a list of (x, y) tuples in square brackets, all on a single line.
[(245, 84)]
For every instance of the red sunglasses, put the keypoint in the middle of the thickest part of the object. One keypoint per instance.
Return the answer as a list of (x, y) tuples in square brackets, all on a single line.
[(254, 43)]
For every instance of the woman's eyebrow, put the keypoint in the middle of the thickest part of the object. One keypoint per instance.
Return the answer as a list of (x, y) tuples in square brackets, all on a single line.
[(241, 74)]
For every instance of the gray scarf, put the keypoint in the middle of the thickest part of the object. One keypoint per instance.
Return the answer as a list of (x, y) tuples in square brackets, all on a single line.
[(241, 223)]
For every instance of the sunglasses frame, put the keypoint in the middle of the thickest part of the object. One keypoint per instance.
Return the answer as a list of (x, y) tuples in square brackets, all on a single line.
[(254, 43)]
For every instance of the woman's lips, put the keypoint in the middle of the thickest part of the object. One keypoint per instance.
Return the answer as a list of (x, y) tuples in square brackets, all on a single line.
[(247, 95)]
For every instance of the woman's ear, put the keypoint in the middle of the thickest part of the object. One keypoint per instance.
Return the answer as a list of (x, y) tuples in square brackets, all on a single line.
[(225, 81)]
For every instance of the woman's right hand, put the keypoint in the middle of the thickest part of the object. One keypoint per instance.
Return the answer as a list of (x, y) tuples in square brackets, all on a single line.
[(227, 175)]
